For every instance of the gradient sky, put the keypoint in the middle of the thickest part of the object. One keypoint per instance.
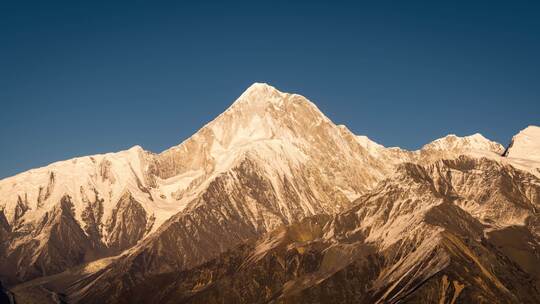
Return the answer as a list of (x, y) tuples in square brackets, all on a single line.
[(94, 77)]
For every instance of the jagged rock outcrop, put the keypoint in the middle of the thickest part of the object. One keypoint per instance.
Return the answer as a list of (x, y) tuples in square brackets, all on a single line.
[(45, 192), (92, 215), (56, 243), (127, 223)]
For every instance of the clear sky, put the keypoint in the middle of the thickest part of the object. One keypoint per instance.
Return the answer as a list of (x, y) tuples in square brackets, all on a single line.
[(84, 78)]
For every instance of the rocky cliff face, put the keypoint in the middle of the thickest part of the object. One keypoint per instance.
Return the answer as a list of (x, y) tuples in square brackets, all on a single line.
[(272, 202)]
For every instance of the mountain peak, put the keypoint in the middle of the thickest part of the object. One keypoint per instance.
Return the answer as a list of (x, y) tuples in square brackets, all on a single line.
[(525, 144), (260, 94), (472, 142), (531, 130), (260, 86), (136, 148), (264, 112)]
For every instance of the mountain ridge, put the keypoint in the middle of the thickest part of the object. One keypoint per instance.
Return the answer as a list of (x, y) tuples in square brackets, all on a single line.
[(270, 159), (258, 92)]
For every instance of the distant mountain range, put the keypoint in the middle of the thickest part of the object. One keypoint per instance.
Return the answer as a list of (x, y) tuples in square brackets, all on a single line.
[(271, 202)]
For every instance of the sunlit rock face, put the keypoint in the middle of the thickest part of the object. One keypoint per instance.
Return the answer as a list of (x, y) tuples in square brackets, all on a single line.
[(273, 202)]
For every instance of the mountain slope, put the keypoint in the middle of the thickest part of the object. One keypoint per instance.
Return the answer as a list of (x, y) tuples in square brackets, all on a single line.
[(81, 194), (408, 241)]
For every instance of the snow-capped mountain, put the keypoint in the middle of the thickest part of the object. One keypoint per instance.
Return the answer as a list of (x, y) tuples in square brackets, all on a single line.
[(306, 163), (525, 144), (108, 228)]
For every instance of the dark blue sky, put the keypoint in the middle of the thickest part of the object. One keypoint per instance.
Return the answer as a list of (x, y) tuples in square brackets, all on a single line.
[(93, 77)]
